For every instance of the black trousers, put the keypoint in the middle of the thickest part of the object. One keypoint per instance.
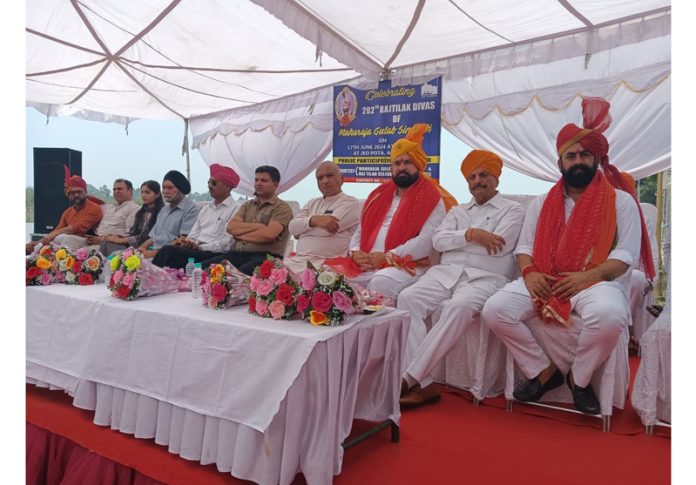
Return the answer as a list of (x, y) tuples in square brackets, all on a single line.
[(177, 256), (243, 261)]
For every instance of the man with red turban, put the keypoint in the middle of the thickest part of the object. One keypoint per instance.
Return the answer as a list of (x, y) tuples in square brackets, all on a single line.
[(575, 250), (476, 240), (81, 217), (393, 242), (208, 237)]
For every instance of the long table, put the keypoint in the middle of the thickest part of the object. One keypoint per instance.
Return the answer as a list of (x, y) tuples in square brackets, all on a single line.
[(262, 399)]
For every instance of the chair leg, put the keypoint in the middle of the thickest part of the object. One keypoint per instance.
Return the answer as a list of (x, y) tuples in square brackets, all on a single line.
[(649, 429), (508, 405), (606, 423)]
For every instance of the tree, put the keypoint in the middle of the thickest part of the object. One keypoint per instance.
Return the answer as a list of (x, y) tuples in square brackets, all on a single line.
[(30, 204), (647, 188)]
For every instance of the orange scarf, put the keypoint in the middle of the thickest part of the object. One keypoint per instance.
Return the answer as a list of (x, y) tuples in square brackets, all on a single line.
[(582, 243)]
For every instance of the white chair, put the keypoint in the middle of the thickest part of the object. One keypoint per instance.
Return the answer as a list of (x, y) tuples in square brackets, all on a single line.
[(477, 362), (641, 294)]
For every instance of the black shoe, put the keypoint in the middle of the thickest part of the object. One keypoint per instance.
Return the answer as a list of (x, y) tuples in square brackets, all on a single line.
[(584, 397), (534, 389)]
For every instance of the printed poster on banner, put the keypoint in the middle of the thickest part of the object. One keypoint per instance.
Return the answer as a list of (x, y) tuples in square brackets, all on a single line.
[(367, 122)]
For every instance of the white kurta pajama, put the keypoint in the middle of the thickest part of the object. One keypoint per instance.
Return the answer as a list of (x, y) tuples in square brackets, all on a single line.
[(465, 279), (602, 309), (390, 281)]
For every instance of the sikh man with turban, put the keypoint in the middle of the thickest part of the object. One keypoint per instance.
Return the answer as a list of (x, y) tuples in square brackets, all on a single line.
[(208, 238), (577, 245), (393, 242), (81, 217), (176, 218), (476, 240)]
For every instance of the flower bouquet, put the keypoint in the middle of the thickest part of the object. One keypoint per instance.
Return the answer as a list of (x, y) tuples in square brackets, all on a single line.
[(326, 297), (39, 267), (273, 291), (86, 267), (133, 276), (63, 262), (223, 286)]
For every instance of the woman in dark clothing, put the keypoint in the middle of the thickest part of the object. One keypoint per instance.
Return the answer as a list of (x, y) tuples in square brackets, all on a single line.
[(145, 218)]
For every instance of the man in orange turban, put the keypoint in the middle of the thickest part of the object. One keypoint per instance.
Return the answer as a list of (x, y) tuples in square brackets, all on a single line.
[(476, 240), (393, 242), (576, 247)]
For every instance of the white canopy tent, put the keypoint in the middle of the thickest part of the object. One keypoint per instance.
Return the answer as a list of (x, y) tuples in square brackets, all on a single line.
[(254, 77)]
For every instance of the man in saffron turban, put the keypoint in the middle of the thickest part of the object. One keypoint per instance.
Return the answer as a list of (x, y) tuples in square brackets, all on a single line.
[(476, 240), (393, 242), (577, 245)]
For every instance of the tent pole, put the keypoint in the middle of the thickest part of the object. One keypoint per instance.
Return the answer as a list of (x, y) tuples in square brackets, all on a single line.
[(660, 204), (185, 150)]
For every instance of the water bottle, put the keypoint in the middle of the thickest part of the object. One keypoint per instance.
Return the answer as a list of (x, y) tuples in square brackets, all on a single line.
[(189, 271), (196, 280), (106, 270)]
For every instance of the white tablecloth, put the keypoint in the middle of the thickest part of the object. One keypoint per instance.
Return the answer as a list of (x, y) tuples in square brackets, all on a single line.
[(227, 368)]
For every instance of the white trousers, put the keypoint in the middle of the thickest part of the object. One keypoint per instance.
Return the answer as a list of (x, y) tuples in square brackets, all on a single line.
[(462, 305), (388, 281), (603, 312), (70, 241)]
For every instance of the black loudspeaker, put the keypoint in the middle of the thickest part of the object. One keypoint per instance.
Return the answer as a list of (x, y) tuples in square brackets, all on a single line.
[(49, 199)]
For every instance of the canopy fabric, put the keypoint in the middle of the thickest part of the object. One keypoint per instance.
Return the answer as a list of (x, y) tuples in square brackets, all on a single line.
[(254, 77)]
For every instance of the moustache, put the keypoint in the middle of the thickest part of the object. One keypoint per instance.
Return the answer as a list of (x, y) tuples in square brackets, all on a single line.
[(480, 186)]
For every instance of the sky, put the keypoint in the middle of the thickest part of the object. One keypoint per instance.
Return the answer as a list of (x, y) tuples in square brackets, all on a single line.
[(150, 148)]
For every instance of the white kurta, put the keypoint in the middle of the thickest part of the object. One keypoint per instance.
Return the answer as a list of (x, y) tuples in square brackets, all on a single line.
[(390, 281), (603, 308), (465, 279)]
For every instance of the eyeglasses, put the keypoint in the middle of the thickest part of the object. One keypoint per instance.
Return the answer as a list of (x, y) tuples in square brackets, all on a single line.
[(212, 182)]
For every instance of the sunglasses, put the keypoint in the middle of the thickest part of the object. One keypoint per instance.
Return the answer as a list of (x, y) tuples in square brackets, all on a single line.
[(212, 182)]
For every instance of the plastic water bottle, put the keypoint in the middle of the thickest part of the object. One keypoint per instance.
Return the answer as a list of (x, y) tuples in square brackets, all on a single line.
[(189, 271), (196, 280), (106, 270)]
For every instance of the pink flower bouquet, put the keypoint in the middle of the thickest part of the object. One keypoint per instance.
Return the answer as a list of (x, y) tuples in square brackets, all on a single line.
[(133, 276), (273, 291), (39, 267), (86, 267), (326, 297), (223, 286)]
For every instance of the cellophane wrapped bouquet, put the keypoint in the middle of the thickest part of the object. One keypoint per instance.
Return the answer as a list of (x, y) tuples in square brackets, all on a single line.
[(273, 291), (133, 276), (326, 297), (87, 265), (223, 286), (40, 267)]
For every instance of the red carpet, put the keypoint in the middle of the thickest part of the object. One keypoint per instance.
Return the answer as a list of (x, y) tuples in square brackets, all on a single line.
[(445, 443)]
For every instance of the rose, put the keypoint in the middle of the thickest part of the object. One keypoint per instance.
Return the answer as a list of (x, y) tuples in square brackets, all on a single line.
[(59, 277), (128, 279), (265, 269), (317, 318), (43, 263), (308, 280), (261, 307), (219, 292), (69, 277), (327, 278), (46, 278), (92, 263), (277, 309), (32, 273), (61, 254), (118, 276), (45, 250), (321, 301), (81, 254), (69, 262), (254, 283), (302, 303), (342, 302), (115, 263), (85, 279), (132, 263), (217, 270), (123, 292), (252, 304), (264, 288), (285, 294), (279, 275)]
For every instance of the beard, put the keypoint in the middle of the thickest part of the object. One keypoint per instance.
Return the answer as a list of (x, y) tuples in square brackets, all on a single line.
[(404, 180), (579, 176)]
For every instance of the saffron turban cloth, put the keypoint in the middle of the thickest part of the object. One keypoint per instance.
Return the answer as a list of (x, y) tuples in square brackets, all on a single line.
[(411, 145), (596, 119), (488, 161), (73, 182), (179, 180), (224, 174)]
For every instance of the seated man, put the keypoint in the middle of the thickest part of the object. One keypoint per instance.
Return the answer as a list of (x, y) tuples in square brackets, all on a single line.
[(476, 240), (575, 249), (175, 219), (324, 225), (260, 226), (393, 242), (208, 237), (118, 218), (81, 217)]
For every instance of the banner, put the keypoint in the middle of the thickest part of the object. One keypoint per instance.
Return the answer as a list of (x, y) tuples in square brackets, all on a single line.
[(367, 122)]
